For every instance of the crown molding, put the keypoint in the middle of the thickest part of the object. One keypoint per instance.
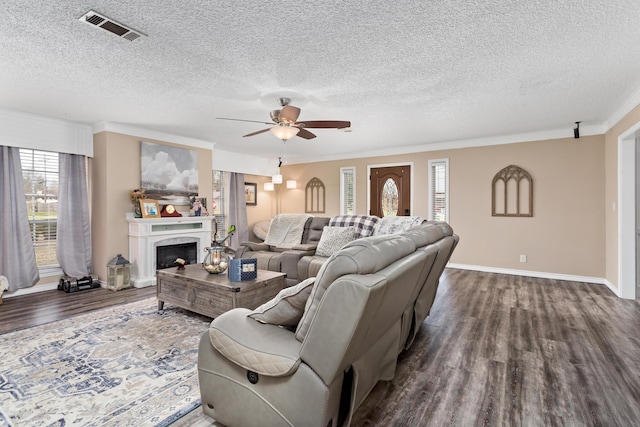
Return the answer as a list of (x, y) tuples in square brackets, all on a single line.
[(632, 102), (151, 134), (585, 130)]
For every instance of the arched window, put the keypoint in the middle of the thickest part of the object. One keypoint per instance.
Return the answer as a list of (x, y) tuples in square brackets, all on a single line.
[(512, 192), (314, 196)]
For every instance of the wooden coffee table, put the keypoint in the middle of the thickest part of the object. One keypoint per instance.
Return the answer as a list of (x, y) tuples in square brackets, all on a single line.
[(212, 294)]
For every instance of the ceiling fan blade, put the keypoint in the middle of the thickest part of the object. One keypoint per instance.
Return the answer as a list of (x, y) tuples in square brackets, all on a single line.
[(324, 124), (305, 134), (257, 133), (289, 113), (242, 120)]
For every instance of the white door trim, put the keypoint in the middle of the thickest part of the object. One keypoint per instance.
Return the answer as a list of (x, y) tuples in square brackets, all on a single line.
[(627, 212)]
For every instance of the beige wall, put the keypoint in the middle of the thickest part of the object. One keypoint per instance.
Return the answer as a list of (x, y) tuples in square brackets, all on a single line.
[(116, 171), (566, 235)]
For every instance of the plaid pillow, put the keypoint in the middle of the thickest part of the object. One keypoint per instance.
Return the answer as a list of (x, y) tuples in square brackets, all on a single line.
[(364, 224)]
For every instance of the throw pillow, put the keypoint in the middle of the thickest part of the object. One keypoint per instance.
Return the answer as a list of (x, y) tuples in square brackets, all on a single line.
[(333, 239), (286, 308)]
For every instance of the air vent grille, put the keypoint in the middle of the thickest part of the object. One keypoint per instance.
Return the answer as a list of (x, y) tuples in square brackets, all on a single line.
[(100, 21)]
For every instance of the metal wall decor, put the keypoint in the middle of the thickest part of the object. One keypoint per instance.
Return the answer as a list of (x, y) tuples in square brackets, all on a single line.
[(314, 197), (512, 192)]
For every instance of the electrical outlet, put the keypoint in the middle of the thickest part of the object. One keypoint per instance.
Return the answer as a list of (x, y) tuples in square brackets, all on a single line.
[(523, 258)]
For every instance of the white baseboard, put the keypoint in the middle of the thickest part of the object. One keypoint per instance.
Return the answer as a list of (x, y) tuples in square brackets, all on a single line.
[(540, 274), (38, 288), (31, 290)]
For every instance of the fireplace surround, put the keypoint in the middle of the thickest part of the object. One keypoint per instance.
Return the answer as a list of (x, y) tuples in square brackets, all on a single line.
[(147, 234)]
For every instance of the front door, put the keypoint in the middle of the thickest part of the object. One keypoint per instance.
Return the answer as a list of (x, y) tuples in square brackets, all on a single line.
[(390, 191)]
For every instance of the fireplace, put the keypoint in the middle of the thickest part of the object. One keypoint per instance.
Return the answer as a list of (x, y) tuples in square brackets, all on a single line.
[(167, 255), (147, 235)]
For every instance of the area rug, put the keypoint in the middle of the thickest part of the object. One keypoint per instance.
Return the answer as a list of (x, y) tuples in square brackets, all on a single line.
[(128, 365)]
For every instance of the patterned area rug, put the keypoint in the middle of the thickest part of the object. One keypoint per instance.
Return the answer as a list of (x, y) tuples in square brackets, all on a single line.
[(128, 365)]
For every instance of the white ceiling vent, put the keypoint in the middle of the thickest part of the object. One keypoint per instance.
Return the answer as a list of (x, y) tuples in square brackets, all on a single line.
[(107, 24)]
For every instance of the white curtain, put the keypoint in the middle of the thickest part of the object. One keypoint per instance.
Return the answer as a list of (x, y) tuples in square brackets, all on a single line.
[(73, 246), (17, 257), (237, 210)]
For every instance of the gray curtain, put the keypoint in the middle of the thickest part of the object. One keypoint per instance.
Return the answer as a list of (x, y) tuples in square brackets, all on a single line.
[(237, 210), (73, 246), (17, 257)]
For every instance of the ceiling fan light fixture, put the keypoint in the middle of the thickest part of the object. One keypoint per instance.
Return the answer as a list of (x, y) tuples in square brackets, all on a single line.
[(284, 132)]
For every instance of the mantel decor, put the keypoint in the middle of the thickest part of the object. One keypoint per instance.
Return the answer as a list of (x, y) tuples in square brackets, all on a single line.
[(512, 193), (150, 208)]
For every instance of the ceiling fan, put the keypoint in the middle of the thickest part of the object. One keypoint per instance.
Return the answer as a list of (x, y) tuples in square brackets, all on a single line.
[(287, 126)]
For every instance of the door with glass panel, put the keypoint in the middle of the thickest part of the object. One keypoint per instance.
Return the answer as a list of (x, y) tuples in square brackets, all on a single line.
[(390, 191)]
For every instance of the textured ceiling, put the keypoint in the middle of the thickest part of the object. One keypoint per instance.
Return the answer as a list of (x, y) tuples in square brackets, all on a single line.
[(405, 73)]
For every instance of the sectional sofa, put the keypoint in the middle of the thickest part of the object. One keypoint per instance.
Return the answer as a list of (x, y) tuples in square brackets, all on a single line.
[(310, 356), (303, 259)]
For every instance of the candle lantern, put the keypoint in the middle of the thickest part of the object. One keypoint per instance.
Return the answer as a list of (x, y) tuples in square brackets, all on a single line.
[(118, 273), (216, 260)]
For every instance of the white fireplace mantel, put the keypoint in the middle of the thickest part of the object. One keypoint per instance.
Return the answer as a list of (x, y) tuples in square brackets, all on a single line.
[(146, 234)]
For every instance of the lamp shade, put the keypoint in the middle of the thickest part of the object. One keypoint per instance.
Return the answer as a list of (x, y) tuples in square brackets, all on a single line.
[(291, 183), (284, 132), (276, 179), (268, 186)]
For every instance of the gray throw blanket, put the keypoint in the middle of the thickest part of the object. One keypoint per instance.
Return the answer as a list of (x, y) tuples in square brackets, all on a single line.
[(286, 230)]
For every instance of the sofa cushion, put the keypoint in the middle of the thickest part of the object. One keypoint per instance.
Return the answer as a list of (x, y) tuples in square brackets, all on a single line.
[(265, 349), (286, 308), (313, 232), (364, 224), (333, 239), (260, 229)]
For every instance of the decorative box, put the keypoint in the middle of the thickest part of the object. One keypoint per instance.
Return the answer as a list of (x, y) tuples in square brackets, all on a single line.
[(243, 269)]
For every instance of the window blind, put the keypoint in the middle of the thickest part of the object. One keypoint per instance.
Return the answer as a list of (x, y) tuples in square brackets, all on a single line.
[(347, 191), (40, 173), (439, 190)]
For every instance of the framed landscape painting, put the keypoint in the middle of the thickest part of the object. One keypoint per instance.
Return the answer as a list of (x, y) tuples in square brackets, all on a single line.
[(168, 171)]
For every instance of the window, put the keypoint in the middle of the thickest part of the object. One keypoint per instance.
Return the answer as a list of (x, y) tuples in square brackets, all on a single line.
[(40, 174), (218, 203), (348, 191), (439, 190)]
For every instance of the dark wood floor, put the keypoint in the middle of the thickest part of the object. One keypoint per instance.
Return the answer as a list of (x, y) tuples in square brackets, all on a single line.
[(501, 350), (48, 306), (496, 350)]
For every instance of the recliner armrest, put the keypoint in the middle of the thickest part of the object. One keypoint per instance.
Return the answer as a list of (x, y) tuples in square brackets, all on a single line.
[(307, 247), (255, 246), (266, 349), (289, 262)]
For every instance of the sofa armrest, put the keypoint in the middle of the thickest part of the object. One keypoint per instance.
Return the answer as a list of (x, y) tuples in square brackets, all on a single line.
[(306, 247), (289, 262), (254, 246), (266, 349)]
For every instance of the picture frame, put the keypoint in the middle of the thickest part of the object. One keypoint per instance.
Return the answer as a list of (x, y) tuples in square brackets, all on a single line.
[(149, 208), (198, 206), (250, 193)]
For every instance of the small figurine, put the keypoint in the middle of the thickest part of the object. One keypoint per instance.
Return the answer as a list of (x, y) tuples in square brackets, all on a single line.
[(180, 263)]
